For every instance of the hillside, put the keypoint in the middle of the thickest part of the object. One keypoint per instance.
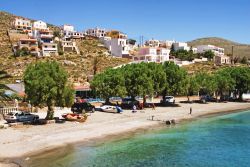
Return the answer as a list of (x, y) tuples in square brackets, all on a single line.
[(240, 50), (79, 67)]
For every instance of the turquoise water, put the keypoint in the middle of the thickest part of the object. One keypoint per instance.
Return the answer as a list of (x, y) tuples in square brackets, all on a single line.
[(222, 141)]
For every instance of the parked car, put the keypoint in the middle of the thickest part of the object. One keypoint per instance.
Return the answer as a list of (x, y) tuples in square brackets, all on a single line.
[(82, 107), (128, 103), (207, 98), (115, 99), (21, 117), (168, 100)]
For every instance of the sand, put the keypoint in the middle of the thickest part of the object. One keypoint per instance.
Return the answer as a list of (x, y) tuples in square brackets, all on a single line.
[(23, 141)]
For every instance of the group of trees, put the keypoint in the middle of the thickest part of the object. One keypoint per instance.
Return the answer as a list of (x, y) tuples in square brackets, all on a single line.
[(169, 79), (190, 55), (46, 83)]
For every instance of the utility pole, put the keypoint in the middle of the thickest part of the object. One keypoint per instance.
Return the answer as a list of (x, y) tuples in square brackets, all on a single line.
[(232, 54)]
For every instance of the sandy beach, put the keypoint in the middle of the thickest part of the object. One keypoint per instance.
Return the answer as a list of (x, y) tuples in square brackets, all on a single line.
[(26, 140)]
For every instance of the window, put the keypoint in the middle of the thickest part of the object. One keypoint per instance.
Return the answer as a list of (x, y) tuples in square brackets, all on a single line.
[(54, 46)]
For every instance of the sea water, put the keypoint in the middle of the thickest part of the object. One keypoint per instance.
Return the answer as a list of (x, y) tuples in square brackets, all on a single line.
[(220, 141)]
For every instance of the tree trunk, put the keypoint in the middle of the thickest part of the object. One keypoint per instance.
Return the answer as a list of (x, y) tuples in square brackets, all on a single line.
[(107, 101), (240, 96), (144, 100), (164, 96), (50, 112), (216, 96)]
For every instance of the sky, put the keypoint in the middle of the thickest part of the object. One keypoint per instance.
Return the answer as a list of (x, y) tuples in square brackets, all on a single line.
[(180, 20)]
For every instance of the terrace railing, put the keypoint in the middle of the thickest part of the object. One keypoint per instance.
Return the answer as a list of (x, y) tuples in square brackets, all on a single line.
[(8, 110)]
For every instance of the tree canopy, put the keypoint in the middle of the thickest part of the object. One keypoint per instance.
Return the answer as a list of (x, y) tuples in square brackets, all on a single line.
[(169, 79), (46, 84)]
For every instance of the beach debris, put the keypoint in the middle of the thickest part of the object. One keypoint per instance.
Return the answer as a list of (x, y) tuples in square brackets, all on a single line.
[(168, 122), (173, 121)]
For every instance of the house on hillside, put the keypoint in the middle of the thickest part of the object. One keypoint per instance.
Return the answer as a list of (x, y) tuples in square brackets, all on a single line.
[(219, 58), (68, 32), (96, 32), (152, 54), (30, 44), (181, 46), (39, 25), (216, 50), (22, 24), (48, 49), (69, 46), (166, 44), (117, 44), (152, 43)]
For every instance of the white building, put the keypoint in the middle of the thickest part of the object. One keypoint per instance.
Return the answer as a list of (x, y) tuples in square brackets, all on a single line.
[(181, 46), (69, 46), (217, 50), (149, 54), (67, 27), (152, 43), (49, 49), (96, 32), (68, 31), (166, 43), (118, 47), (39, 25), (221, 59)]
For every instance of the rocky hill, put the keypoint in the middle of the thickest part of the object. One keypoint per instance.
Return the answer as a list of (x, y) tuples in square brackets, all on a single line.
[(240, 50), (79, 67)]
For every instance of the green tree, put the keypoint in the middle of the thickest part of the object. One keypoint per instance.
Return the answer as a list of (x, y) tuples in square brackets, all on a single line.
[(45, 84), (244, 60), (172, 51), (224, 81), (241, 75), (131, 41), (175, 77), (209, 55), (108, 84), (158, 77), (138, 81), (24, 51), (190, 86), (207, 83)]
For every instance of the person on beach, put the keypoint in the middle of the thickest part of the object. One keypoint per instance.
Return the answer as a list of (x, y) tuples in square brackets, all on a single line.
[(153, 106), (190, 111), (134, 109)]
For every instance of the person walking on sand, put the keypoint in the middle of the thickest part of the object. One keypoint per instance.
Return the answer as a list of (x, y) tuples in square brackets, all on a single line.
[(190, 111), (153, 106), (134, 109)]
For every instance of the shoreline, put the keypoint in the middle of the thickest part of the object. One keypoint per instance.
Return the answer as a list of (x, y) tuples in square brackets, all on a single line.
[(141, 125)]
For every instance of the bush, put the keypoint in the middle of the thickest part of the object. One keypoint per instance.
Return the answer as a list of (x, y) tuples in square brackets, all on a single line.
[(23, 52), (60, 52)]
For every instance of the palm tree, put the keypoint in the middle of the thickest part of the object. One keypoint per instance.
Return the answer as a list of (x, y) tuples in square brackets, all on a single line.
[(3, 87)]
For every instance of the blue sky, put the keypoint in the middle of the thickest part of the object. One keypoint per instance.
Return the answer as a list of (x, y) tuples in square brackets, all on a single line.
[(182, 20)]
